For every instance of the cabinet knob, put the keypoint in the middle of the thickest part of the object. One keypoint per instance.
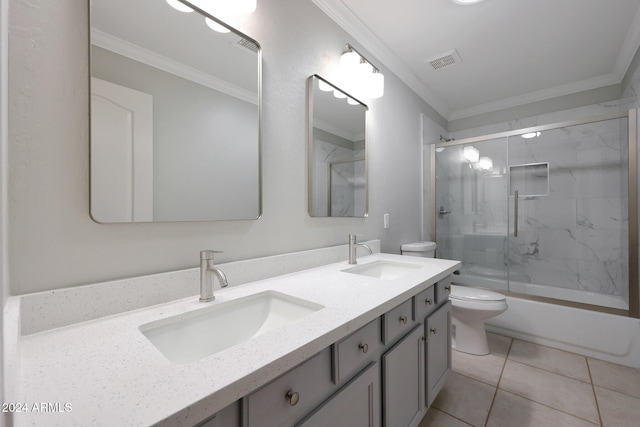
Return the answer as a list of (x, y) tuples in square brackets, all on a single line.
[(447, 288), (293, 397), (363, 347), (428, 301), (403, 319), (433, 330)]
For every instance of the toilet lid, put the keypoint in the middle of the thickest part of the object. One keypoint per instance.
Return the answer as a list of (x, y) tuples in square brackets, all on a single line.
[(474, 294)]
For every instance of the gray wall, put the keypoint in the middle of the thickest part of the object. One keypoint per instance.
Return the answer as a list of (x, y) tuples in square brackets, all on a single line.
[(55, 244), (4, 265)]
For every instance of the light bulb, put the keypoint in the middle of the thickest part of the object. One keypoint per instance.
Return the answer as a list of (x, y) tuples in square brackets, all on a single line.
[(530, 135), (352, 101), (339, 94), (376, 85), (324, 86), (215, 26), (179, 6), (485, 163), (349, 62), (471, 154)]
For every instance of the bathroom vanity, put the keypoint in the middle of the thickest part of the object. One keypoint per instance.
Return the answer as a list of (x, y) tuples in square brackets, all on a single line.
[(359, 345)]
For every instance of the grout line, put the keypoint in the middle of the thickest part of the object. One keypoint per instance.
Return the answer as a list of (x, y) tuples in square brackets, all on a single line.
[(495, 393), (595, 396)]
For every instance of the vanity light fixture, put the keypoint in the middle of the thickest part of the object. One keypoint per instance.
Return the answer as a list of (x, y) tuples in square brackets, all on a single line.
[(360, 75), (530, 135), (324, 86)]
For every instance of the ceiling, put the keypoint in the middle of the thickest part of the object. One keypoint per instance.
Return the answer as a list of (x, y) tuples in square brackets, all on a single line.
[(512, 52)]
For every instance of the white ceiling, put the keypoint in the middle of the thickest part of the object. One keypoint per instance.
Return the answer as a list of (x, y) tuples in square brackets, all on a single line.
[(513, 51)]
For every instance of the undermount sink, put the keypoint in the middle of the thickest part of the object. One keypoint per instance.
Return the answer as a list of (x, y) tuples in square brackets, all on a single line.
[(385, 270), (195, 335)]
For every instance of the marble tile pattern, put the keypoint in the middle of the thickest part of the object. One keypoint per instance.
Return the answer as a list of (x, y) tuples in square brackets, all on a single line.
[(526, 384), (574, 237)]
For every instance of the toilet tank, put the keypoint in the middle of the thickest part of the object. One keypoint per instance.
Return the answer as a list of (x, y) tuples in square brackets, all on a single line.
[(422, 249)]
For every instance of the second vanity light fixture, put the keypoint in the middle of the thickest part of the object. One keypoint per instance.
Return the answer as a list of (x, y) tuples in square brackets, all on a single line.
[(360, 75)]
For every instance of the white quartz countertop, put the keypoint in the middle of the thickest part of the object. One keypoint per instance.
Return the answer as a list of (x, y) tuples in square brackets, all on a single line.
[(107, 372)]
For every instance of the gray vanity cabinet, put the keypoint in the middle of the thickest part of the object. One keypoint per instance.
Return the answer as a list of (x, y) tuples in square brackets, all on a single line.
[(437, 330), (292, 396), (355, 404), (403, 380)]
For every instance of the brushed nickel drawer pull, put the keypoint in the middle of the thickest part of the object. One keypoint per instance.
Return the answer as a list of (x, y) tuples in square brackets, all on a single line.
[(447, 288), (293, 397), (429, 301), (403, 319), (433, 330), (363, 347)]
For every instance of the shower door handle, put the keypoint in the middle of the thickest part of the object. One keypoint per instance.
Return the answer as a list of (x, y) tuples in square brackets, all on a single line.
[(515, 213)]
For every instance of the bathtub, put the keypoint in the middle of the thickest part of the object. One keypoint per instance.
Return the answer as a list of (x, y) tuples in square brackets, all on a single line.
[(599, 335), (604, 336)]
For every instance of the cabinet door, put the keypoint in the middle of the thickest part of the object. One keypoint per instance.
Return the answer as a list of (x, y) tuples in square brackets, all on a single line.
[(438, 333), (403, 380), (357, 404)]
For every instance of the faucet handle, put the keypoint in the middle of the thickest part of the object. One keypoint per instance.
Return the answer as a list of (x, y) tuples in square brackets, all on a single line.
[(208, 254)]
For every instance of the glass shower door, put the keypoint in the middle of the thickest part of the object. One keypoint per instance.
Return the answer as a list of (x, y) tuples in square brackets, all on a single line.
[(471, 210), (568, 213)]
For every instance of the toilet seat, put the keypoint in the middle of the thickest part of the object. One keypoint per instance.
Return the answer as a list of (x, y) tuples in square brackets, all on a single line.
[(466, 293)]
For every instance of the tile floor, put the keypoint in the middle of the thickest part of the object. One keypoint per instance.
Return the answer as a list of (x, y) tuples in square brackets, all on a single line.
[(523, 384)]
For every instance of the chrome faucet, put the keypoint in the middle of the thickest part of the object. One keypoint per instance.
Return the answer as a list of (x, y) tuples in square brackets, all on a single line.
[(352, 249), (207, 271)]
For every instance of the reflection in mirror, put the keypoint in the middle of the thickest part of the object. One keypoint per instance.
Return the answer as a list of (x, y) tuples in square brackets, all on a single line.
[(174, 116), (337, 151)]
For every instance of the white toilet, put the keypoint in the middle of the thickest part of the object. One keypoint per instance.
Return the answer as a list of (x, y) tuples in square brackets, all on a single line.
[(470, 307)]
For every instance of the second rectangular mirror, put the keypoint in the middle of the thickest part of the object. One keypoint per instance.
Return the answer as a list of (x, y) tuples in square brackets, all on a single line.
[(337, 147)]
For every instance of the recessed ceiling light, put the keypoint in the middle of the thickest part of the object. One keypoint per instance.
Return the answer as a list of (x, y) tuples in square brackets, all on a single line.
[(466, 2)]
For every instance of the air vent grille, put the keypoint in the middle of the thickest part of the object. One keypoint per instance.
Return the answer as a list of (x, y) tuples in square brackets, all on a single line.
[(247, 44), (444, 60)]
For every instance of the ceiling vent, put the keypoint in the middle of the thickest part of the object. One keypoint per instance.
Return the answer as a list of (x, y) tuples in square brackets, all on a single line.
[(241, 42), (444, 60)]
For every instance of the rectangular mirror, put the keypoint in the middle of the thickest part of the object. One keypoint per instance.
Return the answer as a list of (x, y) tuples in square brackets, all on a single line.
[(175, 115), (337, 148)]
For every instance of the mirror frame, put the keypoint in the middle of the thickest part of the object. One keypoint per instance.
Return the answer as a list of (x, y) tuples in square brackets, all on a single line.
[(310, 167), (259, 124)]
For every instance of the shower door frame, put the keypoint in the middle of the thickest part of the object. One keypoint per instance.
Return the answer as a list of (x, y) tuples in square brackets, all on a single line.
[(632, 129)]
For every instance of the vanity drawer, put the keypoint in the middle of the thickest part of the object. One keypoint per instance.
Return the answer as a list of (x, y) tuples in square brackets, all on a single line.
[(355, 350), (425, 302), (396, 321), (291, 396), (443, 289)]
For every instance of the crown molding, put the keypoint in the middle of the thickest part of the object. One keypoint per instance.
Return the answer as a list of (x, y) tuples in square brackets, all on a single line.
[(152, 59), (541, 95), (346, 19)]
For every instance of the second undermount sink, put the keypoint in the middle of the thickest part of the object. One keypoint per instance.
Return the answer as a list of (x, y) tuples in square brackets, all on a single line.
[(195, 335), (385, 270)]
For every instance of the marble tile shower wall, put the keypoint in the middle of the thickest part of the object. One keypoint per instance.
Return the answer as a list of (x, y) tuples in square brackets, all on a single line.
[(575, 237)]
